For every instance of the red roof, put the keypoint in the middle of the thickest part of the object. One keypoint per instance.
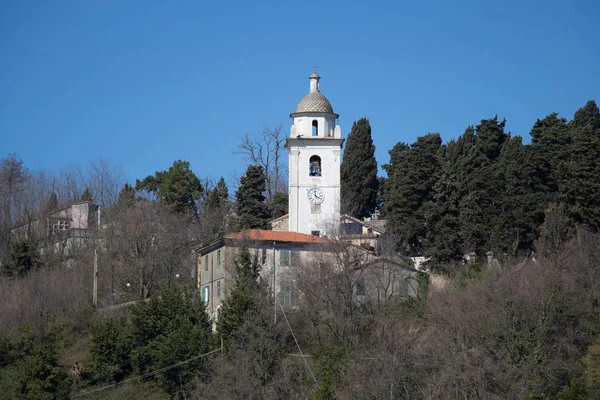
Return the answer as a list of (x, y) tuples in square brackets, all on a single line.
[(277, 236)]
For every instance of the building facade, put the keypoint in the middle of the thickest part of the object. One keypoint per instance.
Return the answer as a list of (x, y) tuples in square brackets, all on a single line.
[(314, 146)]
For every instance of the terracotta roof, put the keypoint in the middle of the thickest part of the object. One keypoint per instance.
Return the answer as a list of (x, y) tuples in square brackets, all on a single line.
[(276, 236)]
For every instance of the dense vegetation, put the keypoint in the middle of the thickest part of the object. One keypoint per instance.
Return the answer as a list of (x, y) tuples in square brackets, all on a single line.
[(522, 327)]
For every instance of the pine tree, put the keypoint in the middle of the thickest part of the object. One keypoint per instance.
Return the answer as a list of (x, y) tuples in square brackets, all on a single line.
[(250, 205), (178, 187), (412, 174), (359, 183)]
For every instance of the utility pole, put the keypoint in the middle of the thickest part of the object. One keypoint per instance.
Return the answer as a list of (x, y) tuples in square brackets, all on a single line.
[(95, 295), (274, 289)]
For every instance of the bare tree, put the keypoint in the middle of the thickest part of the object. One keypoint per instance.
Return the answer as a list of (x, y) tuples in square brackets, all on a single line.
[(265, 149), (105, 181)]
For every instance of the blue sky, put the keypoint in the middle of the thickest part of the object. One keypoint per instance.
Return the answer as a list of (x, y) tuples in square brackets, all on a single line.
[(144, 83)]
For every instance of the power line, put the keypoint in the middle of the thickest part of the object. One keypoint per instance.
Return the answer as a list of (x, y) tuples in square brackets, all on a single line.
[(297, 345), (146, 375)]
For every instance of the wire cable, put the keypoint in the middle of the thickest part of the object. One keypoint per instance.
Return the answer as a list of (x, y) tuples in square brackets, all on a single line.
[(146, 375), (297, 345)]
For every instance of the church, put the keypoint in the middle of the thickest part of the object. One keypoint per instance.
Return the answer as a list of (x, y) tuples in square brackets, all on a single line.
[(313, 231)]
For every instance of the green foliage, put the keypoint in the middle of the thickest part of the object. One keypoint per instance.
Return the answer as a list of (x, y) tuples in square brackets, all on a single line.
[(250, 205), (170, 328), (331, 360), (591, 371), (178, 187), (412, 174), (23, 257), (110, 348), (33, 371), (216, 211), (245, 301), (126, 196), (52, 203), (358, 172), (86, 195), (279, 205)]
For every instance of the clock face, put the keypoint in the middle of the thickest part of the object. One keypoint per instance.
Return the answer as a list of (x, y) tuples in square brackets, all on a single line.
[(315, 195)]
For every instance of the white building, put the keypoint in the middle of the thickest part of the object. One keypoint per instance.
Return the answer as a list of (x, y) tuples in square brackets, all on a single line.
[(314, 146)]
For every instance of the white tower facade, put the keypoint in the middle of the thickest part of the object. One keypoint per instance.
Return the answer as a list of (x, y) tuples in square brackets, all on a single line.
[(314, 146)]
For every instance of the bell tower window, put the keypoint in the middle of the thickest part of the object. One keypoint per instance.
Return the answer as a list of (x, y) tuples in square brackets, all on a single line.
[(315, 166), (315, 127)]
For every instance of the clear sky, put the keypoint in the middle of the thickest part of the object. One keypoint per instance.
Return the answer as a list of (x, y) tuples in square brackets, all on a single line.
[(144, 83)]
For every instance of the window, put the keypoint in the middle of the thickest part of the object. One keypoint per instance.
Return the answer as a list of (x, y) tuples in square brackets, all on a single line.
[(295, 255), (58, 225), (219, 289), (289, 258), (315, 166), (315, 128), (289, 295), (315, 233), (206, 262), (218, 258), (205, 297), (284, 258), (360, 288), (264, 257)]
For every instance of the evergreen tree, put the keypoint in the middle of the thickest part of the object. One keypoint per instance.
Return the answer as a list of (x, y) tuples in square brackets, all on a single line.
[(33, 371), (443, 241), (126, 196), (250, 205), (22, 258), (582, 183), (358, 172), (52, 203), (216, 211), (178, 187), (478, 207), (245, 301), (279, 205), (412, 174), (172, 327), (514, 227), (86, 195), (550, 148)]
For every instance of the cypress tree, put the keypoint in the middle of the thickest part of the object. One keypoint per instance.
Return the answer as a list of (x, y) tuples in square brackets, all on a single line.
[(250, 205), (412, 174), (478, 207), (359, 183), (216, 210), (582, 183)]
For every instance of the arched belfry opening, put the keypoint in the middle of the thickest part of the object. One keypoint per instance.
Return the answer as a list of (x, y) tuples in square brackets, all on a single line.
[(315, 127), (315, 166)]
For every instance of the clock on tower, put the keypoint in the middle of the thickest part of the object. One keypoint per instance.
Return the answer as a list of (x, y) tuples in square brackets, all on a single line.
[(314, 146)]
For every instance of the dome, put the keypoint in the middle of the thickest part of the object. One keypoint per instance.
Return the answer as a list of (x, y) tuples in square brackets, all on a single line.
[(314, 102)]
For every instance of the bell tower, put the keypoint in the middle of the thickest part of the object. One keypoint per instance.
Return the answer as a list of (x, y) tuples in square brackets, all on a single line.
[(314, 146)]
